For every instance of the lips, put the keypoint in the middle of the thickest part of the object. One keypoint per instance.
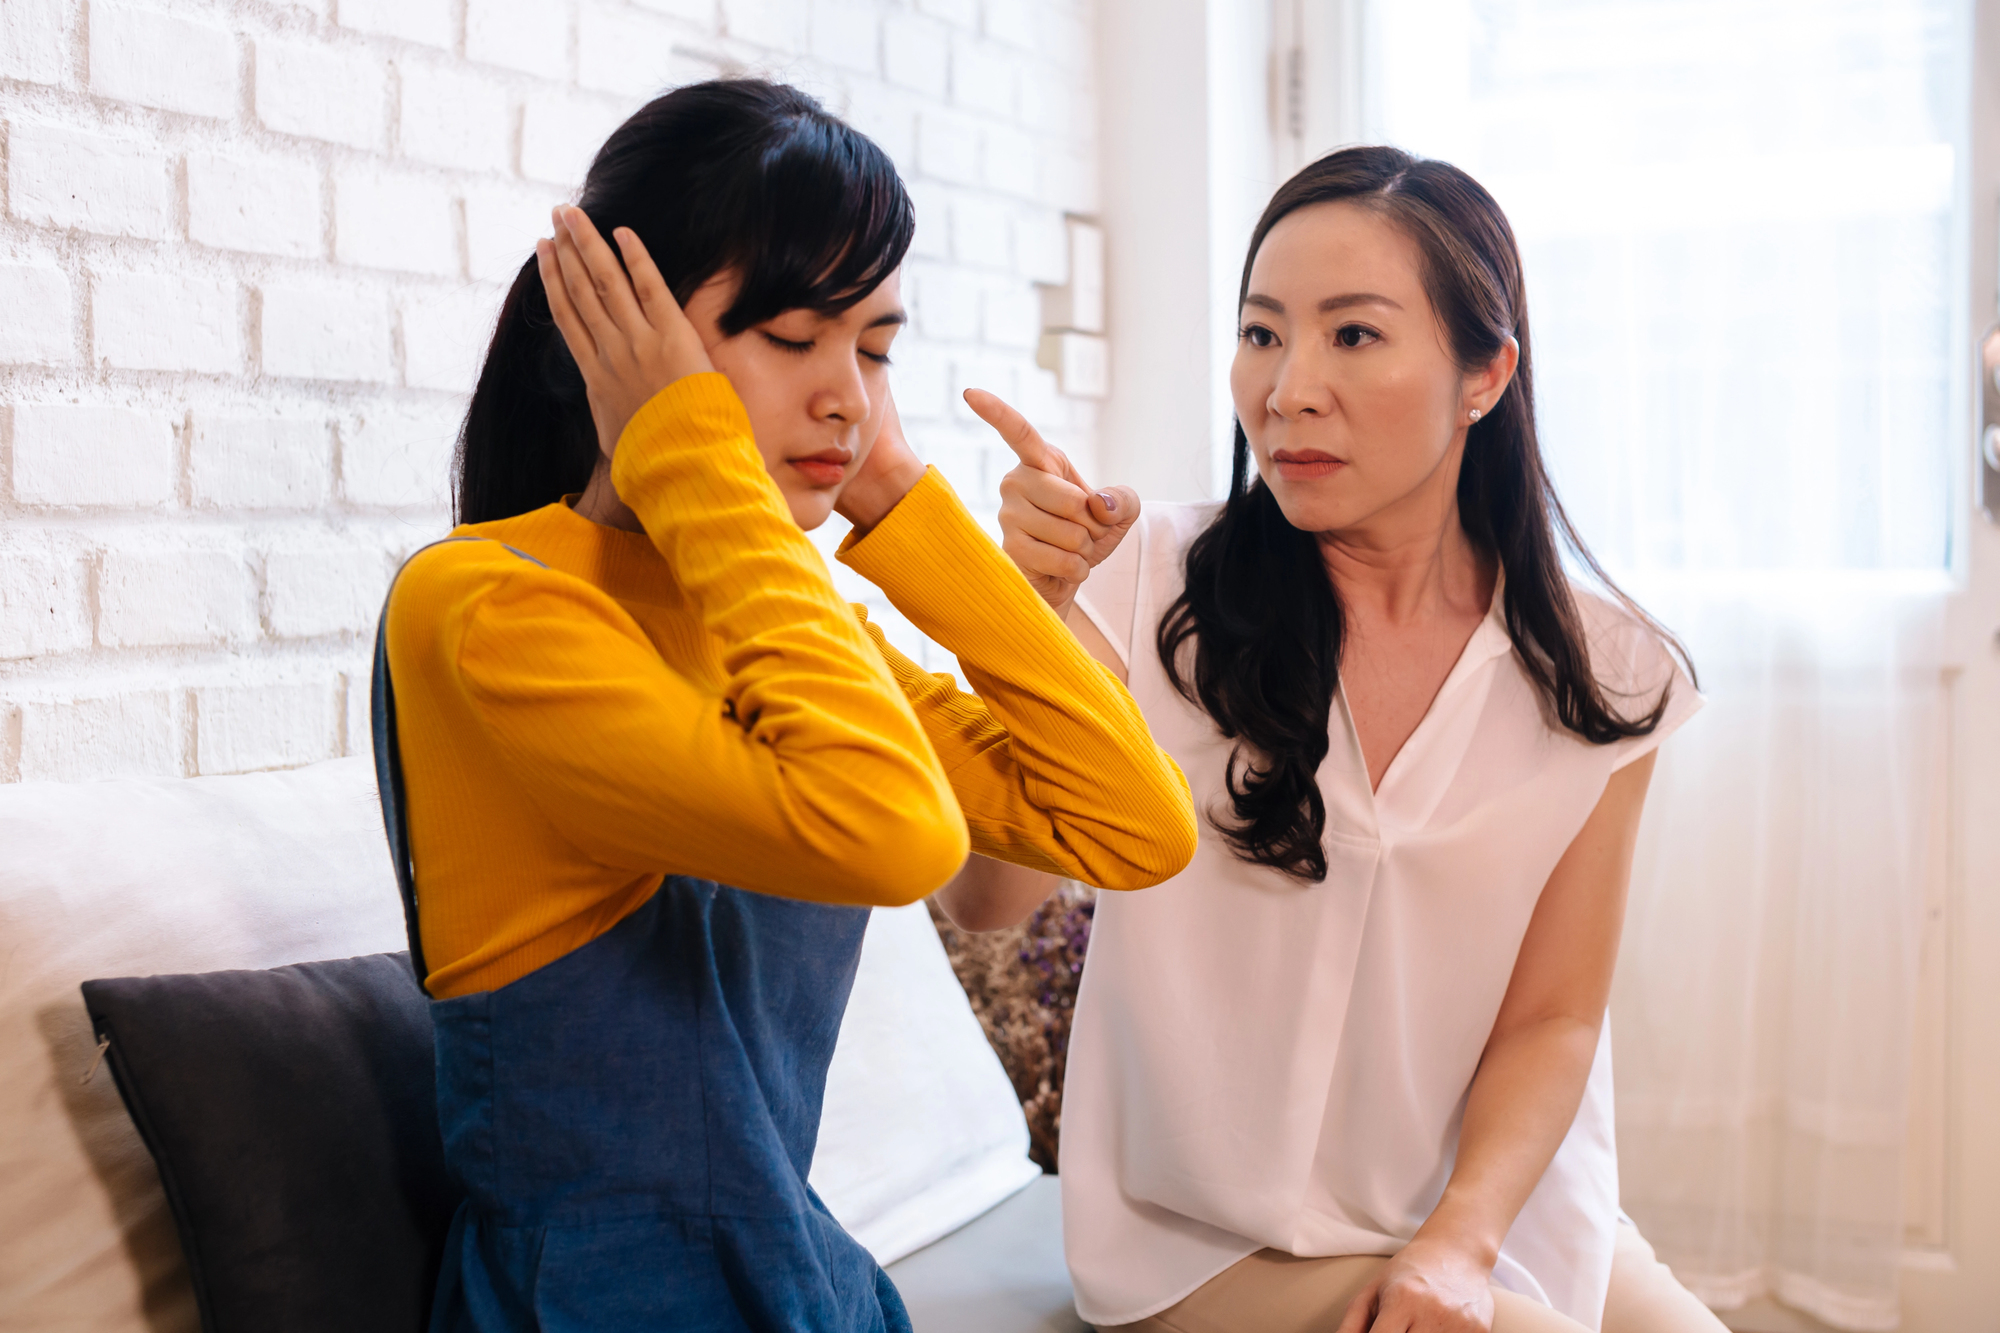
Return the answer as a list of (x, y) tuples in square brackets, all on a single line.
[(828, 467), (1305, 464)]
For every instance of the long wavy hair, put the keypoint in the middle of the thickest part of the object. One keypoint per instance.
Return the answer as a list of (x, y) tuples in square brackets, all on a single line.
[(730, 174), (1254, 639)]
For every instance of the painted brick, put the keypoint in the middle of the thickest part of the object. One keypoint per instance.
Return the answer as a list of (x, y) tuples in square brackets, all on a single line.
[(33, 46), (69, 454), (161, 60), (560, 133), (318, 92), (982, 79), (310, 592), (916, 54), (357, 734), (268, 204), (847, 34), (42, 603), (921, 380), (259, 462), (944, 302), (501, 227), (777, 25), (695, 11), (624, 51), (889, 117), (150, 599), (948, 147), (64, 178), (327, 333), (1011, 161), (1011, 315), (933, 206), (399, 458), (1011, 21), (981, 232), (1041, 247), (121, 735), (964, 13), (455, 119), (246, 728), (37, 320), (165, 321), (426, 21), (1069, 180), (445, 335), (533, 38), (394, 221)]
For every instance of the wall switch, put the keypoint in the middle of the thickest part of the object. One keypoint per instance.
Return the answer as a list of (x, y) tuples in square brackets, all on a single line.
[(1079, 303)]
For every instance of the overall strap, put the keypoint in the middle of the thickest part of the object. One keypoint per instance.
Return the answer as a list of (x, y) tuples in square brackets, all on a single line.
[(389, 763)]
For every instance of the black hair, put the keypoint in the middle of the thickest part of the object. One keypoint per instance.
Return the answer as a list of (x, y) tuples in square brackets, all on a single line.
[(733, 174), (1254, 639)]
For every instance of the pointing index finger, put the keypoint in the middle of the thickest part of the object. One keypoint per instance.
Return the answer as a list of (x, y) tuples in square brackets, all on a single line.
[(1026, 442)]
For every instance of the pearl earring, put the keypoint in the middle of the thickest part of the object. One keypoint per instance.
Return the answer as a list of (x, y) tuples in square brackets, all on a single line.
[(1475, 416)]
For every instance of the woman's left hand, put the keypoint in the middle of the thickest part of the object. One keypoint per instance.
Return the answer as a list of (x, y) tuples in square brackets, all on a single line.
[(1430, 1286), (885, 476)]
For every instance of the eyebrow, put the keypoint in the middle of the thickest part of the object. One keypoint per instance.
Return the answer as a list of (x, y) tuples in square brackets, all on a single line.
[(893, 319), (1329, 305)]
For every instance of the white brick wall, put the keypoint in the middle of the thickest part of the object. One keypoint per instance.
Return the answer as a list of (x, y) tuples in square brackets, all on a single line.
[(250, 252)]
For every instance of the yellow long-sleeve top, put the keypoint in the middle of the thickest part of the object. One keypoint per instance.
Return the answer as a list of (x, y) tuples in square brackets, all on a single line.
[(696, 699)]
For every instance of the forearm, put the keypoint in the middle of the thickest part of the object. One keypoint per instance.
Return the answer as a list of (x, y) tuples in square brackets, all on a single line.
[(1052, 761), (1520, 1106), (992, 895)]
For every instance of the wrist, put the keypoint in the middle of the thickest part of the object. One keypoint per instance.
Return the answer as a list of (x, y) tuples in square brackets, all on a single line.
[(868, 499), (1463, 1233)]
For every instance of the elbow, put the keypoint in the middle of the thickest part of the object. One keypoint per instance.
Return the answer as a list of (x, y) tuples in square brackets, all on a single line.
[(1168, 845), (917, 859)]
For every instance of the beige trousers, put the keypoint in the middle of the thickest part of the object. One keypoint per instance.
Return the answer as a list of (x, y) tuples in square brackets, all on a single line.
[(1274, 1292)]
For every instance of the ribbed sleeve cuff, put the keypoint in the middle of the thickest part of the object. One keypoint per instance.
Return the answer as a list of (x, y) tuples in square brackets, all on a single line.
[(941, 570)]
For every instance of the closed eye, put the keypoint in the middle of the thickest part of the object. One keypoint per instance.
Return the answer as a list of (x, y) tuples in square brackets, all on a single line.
[(879, 358), (787, 345)]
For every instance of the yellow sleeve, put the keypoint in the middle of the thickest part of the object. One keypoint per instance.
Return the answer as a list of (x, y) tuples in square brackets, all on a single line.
[(807, 776), (1051, 759)]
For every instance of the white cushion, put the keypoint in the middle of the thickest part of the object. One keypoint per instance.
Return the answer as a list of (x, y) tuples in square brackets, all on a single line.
[(104, 879), (921, 1130)]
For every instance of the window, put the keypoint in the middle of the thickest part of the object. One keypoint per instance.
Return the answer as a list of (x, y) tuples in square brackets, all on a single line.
[(1740, 220)]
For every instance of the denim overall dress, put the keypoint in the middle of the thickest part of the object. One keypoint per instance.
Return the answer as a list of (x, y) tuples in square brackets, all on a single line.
[(633, 1123)]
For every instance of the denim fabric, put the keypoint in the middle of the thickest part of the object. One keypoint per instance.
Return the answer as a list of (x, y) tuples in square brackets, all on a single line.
[(633, 1125)]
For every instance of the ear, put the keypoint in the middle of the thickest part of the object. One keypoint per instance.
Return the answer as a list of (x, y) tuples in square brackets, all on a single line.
[(1483, 387)]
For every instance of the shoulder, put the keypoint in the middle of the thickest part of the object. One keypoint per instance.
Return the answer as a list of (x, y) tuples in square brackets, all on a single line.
[(475, 578), (1632, 661)]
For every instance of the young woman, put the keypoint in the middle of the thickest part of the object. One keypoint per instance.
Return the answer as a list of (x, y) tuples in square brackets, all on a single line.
[(627, 682), (1348, 1070)]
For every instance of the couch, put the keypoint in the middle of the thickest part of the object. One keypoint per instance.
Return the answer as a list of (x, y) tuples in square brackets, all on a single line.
[(922, 1150)]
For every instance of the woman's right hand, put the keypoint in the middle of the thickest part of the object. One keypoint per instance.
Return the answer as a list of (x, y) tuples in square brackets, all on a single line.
[(1052, 524), (629, 335)]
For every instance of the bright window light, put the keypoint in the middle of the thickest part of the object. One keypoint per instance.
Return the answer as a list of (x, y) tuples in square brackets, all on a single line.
[(1740, 220)]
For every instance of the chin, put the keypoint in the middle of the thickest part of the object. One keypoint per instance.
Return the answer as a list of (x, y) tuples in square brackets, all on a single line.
[(810, 509)]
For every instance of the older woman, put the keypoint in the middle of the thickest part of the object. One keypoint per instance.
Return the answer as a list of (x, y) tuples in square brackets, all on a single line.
[(1349, 1069)]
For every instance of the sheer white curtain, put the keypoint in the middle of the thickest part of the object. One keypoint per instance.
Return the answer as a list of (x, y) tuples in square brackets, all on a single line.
[(1738, 223)]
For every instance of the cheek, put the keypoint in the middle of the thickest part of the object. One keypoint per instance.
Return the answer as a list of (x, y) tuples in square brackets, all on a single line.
[(760, 382), (1249, 388)]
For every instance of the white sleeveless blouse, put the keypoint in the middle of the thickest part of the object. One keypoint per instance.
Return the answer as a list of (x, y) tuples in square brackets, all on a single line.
[(1256, 1062)]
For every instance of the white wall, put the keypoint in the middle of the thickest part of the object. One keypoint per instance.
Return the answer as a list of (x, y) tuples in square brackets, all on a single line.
[(249, 253)]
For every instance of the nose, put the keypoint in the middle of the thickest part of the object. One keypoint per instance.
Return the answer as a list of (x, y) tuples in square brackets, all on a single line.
[(841, 396), (1301, 390)]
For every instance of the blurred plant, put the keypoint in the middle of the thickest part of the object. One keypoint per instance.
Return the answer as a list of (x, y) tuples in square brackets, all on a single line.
[(1022, 983)]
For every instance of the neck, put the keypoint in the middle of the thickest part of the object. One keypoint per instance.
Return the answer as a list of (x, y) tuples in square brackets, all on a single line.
[(1411, 561), (600, 503)]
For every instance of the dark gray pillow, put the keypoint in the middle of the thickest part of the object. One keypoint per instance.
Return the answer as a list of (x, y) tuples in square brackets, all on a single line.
[(293, 1116)]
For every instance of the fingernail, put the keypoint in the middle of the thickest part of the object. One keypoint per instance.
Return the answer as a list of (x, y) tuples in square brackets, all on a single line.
[(1110, 501)]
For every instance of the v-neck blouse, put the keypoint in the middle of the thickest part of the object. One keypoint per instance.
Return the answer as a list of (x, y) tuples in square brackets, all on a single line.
[(1257, 1062)]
